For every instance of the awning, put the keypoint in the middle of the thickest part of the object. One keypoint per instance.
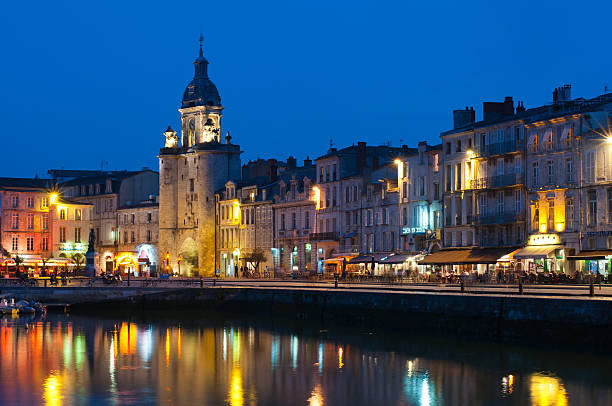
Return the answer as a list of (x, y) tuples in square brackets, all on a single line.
[(364, 259), (594, 254), (536, 251), (466, 256), (349, 235), (395, 259)]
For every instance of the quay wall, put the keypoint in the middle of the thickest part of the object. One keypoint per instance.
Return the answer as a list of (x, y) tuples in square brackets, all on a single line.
[(506, 317)]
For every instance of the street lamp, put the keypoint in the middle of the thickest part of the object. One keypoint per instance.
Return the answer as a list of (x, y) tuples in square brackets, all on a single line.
[(179, 259), (167, 262)]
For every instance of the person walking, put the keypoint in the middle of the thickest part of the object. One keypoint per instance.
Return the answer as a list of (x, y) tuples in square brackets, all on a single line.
[(235, 270)]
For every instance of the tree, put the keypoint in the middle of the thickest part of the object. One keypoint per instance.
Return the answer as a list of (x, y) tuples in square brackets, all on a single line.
[(78, 259), (18, 261), (255, 258)]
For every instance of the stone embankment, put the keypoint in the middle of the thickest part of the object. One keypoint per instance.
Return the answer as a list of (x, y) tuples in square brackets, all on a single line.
[(580, 319)]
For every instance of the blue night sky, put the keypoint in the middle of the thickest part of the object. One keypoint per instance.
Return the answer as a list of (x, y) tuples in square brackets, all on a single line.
[(85, 82)]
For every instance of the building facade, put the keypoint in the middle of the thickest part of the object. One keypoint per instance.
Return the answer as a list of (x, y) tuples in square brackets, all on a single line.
[(137, 238)]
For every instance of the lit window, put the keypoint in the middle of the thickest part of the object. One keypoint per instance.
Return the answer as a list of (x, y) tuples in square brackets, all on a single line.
[(62, 234), (30, 243)]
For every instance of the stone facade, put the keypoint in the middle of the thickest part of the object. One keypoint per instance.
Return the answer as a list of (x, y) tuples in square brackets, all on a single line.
[(137, 238), (420, 199)]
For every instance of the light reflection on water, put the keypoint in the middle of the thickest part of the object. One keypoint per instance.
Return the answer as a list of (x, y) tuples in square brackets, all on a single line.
[(65, 360)]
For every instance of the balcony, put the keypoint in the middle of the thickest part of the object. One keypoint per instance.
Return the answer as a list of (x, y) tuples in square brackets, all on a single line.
[(509, 179), (503, 218), (500, 148), (327, 236)]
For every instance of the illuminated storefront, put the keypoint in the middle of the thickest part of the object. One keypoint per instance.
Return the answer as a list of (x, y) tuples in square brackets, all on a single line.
[(543, 253)]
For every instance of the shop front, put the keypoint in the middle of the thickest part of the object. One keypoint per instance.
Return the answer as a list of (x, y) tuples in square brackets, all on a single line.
[(544, 253), (593, 262)]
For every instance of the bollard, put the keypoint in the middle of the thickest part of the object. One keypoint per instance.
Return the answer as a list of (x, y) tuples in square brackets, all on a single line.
[(201, 282), (336, 283), (591, 290), (520, 288), (462, 287), (45, 283), (214, 282)]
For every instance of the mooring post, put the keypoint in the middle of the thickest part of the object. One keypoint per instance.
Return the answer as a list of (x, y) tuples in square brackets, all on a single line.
[(201, 282), (462, 287), (335, 280), (520, 288), (214, 282), (591, 289)]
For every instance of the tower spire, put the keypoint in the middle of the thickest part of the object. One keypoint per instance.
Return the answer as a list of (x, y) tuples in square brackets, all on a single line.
[(201, 40)]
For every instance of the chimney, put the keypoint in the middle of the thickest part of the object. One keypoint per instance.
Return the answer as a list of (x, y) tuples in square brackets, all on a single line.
[(497, 110), (291, 163), (463, 117), (562, 93), (273, 172), (520, 107), (307, 162), (361, 156)]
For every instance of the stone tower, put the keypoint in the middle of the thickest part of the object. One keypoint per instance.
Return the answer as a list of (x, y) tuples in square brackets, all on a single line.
[(192, 167)]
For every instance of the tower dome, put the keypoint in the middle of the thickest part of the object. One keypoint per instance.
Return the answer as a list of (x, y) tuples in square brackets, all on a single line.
[(201, 91)]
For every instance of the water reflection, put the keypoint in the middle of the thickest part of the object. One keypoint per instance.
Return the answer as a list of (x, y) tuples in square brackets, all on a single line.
[(65, 360)]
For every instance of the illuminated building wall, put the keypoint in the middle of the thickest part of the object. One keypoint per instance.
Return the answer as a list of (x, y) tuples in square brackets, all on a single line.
[(70, 224), (420, 198), (137, 236), (24, 217)]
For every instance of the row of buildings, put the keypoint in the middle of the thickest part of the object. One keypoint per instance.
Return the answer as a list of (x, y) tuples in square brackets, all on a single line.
[(522, 189)]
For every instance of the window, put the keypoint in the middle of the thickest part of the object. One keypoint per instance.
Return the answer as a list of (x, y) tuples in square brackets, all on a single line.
[(551, 215), (125, 237), (535, 173), (346, 195), (592, 208), (482, 204), (148, 217), (30, 222), (590, 167), (569, 213), (307, 220), (132, 237), (435, 162), (321, 174), (404, 217), (458, 146), (30, 243), (535, 220), (62, 234), (282, 221), (44, 244), (569, 168), (15, 243), (44, 203), (191, 185), (551, 172), (78, 214), (30, 202), (448, 178), (132, 218), (45, 221), (77, 234), (458, 177), (97, 235), (148, 235), (447, 148), (327, 173), (334, 172), (15, 221), (500, 203), (62, 214), (15, 201), (293, 221), (436, 190), (517, 201), (422, 186)]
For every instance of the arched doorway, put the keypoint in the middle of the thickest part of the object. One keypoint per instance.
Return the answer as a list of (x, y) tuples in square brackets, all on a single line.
[(189, 258)]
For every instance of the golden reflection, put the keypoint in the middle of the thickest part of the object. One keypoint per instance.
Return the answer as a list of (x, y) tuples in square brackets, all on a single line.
[(127, 338), (340, 354), (508, 384), (316, 397), (547, 390), (236, 394), (178, 342), (167, 346), (52, 387)]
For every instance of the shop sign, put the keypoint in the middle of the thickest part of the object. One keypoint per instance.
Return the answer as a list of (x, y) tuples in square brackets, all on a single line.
[(544, 239), (413, 230)]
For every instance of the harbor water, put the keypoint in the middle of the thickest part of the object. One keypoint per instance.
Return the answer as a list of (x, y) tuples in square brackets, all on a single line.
[(216, 360)]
